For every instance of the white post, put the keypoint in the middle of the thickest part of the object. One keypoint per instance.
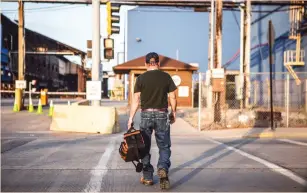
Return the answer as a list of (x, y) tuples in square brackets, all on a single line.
[(287, 99), (199, 101), (96, 44)]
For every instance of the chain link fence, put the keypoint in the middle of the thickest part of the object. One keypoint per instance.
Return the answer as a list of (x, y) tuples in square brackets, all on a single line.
[(243, 101)]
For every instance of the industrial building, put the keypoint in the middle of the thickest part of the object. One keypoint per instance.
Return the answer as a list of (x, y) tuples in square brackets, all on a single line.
[(44, 61)]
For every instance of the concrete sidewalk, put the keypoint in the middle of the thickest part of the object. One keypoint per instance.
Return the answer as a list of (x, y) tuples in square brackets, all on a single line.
[(258, 133)]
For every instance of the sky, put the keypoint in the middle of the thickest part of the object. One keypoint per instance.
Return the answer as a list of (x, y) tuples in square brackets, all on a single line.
[(72, 24), (68, 23), (179, 33)]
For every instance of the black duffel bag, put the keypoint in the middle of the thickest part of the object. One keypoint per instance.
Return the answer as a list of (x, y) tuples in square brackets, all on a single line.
[(133, 148)]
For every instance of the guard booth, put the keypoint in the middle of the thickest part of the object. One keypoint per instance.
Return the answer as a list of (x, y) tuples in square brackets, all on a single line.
[(180, 72)]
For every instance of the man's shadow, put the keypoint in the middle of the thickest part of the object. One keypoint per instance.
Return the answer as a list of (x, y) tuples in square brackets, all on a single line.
[(241, 142)]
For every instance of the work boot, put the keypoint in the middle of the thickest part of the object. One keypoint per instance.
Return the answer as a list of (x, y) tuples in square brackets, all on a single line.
[(146, 182), (164, 181)]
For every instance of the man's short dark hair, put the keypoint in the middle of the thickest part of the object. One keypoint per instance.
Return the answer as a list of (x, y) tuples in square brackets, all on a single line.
[(152, 55)]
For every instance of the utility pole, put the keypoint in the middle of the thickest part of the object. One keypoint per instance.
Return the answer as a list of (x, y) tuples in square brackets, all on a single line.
[(96, 45), (219, 24), (247, 53), (218, 59), (21, 40), (210, 54), (21, 54)]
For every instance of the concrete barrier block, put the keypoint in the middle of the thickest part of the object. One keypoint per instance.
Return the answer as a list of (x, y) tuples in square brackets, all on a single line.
[(87, 119)]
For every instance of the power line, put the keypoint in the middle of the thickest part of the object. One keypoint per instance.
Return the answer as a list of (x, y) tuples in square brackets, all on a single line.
[(54, 8), (37, 8), (60, 7)]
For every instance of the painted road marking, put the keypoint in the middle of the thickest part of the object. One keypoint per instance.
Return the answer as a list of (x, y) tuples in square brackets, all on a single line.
[(293, 142), (270, 165), (101, 169)]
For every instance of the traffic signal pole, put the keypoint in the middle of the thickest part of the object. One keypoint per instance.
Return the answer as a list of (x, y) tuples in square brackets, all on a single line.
[(96, 45)]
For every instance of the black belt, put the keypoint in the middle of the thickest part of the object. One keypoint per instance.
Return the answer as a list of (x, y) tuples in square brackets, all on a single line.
[(155, 110)]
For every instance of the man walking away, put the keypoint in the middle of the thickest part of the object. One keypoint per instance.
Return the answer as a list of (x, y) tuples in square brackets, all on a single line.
[(152, 89)]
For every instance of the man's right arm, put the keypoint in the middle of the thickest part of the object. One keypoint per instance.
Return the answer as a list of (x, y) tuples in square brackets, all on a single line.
[(172, 98), (173, 102)]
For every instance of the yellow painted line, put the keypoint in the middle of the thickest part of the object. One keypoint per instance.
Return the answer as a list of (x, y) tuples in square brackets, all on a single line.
[(276, 135)]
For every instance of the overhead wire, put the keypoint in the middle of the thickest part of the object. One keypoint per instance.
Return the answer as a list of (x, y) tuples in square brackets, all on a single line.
[(44, 9), (55, 8), (37, 8)]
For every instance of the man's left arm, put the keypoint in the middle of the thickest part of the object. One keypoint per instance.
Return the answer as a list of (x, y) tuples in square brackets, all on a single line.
[(134, 107)]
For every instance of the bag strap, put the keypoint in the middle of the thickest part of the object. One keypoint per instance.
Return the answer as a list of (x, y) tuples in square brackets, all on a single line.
[(131, 129)]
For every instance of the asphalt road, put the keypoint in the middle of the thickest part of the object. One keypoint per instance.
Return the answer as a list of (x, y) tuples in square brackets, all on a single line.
[(37, 160)]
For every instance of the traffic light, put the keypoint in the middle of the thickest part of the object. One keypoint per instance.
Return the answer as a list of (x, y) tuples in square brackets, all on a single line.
[(112, 19), (108, 48)]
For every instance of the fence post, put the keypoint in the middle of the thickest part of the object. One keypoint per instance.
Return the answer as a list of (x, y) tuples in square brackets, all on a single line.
[(199, 100), (287, 99)]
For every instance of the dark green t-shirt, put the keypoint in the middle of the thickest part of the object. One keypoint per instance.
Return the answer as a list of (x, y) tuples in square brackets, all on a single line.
[(154, 86)]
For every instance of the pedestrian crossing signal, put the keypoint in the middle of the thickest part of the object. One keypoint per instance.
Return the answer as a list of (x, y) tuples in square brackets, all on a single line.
[(108, 48)]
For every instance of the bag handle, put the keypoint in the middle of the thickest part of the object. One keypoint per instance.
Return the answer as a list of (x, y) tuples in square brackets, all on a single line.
[(131, 129)]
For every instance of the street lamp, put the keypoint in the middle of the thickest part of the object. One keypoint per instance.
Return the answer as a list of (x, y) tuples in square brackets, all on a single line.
[(138, 39)]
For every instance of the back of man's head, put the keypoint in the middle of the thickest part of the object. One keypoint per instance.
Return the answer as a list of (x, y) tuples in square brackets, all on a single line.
[(152, 58)]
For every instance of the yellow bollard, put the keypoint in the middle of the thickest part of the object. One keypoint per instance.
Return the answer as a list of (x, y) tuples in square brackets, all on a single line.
[(18, 100), (15, 108), (31, 108), (51, 108), (39, 108)]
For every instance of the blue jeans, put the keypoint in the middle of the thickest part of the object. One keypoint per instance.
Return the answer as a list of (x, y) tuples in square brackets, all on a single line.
[(159, 122)]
